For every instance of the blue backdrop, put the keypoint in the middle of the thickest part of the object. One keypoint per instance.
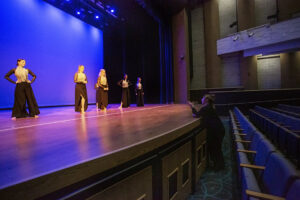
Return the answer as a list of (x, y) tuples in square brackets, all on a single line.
[(53, 43)]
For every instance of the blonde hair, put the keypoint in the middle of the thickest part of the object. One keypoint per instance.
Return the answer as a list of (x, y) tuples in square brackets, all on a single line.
[(101, 70), (79, 66)]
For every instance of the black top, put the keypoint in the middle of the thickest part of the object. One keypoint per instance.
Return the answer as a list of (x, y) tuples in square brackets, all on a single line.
[(7, 76), (210, 119)]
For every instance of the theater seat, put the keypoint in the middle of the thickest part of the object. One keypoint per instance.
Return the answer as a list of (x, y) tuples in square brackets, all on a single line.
[(264, 173), (294, 191), (278, 175)]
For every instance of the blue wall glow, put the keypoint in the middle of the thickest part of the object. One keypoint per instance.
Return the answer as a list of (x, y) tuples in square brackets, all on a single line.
[(53, 43)]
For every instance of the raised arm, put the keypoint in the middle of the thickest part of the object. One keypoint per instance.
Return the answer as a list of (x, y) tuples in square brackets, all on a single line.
[(197, 112), (32, 74), (7, 76)]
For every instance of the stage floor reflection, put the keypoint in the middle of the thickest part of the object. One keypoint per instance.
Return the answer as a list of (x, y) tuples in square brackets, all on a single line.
[(61, 138)]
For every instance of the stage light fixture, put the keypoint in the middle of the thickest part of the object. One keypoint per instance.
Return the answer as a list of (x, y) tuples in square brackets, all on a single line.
[(78, 12), (97, 16), (112, 10)]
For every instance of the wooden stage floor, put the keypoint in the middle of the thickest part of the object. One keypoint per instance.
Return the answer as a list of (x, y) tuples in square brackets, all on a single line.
[(60, 138)]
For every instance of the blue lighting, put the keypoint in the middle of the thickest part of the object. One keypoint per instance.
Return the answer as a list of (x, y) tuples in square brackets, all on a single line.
[(78, 43), (112, 10), (97, 16), (78, 12)]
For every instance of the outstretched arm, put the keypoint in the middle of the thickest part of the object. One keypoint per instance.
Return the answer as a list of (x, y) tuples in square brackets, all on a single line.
[(198, 112), (7, 76)]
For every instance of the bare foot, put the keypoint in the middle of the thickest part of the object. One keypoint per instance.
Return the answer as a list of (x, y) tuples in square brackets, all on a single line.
[(13, 118), (36, 116)]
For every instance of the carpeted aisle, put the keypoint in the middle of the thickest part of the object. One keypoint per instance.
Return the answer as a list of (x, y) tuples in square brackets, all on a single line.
[(223, 184)]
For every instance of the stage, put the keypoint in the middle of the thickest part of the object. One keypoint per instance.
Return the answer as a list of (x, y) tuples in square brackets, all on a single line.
[(38, 151)]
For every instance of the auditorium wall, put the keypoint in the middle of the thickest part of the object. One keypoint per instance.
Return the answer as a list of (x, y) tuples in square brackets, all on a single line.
[(198, 80), (236, 70)]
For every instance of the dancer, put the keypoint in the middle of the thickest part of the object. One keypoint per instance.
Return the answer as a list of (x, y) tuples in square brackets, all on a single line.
[(125, 83), (102, 91), (139, 92), (81, 100), (215, 130), (23, 91)]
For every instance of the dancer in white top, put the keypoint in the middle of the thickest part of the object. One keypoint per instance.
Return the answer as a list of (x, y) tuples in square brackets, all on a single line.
[(125, 83), (102, 91), (23, 92), (81, 100)]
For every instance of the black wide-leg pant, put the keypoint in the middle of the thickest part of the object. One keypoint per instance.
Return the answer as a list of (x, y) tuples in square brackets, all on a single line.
[(23, 94), (125, 97), (102, 97), (139, 98)]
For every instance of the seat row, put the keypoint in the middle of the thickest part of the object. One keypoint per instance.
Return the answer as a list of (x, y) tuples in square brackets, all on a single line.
[(295, 109), (283, 133), (264, 173)]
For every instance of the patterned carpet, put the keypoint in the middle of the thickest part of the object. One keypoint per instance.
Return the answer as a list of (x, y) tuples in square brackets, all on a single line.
[(220, 185)]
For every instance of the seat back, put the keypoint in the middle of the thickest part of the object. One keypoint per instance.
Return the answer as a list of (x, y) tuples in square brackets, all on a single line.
[(278, 175), (294, 191), (264, 150), (257, 136)]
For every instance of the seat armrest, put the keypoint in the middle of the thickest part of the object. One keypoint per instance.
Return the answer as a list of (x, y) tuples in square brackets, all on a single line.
[(263, 195), (253, 166), (246, 151)]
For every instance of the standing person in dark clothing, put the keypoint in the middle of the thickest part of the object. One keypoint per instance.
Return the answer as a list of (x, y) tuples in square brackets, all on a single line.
[(139, 92), (215, 130), (23, 91), (125, 83), (81, 99)]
